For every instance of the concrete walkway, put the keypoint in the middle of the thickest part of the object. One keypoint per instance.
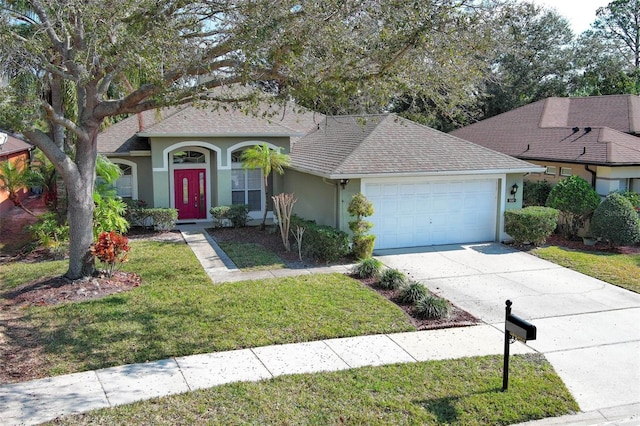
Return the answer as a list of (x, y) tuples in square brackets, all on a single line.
[(38, 401)]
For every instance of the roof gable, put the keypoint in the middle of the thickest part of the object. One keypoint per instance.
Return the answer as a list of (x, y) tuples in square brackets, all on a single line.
[(14, 145)]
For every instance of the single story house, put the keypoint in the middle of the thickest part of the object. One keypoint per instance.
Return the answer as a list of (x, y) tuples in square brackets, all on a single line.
[(427, 187), (18, 152), (593, 137)]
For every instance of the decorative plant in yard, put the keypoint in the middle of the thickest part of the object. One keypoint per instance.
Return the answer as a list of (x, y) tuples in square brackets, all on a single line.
[(531, 225), (111, 249), (283, 206), (577, 200), (267, 159), (298, 236), (362, 241), (15, 176), (616, 221)]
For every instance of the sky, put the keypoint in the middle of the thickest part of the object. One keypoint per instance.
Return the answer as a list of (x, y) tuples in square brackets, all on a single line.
[(580, 13)]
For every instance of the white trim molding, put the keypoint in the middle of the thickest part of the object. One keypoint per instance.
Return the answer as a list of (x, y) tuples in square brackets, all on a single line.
[(134, 175), (176, 146)]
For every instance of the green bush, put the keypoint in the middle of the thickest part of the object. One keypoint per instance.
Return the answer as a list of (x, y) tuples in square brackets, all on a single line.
[(535, 193), (616, 221), (367, 268), (51, 234), (219, 214), (238, 215), (324, 243), (163, 219), (633, 197), (392, 279), (412, 292), (576, 199), (432, 307), (363, 243), (531, 224), (363, 246)]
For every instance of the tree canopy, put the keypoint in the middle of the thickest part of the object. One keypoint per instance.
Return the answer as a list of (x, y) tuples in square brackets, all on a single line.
[(81, 62)]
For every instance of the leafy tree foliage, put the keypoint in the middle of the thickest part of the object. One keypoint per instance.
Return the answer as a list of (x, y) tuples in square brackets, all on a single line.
[(533, 61), (332, 56)]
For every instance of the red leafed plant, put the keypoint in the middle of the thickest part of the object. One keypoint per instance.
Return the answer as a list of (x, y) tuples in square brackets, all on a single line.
[(111, 249)]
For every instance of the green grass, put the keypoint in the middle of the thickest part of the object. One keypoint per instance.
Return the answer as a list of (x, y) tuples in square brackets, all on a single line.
[(251, 256), (622, 270), (178, 311), (455, 392)]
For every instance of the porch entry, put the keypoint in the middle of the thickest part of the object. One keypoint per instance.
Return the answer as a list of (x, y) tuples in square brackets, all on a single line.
[(190, 190)]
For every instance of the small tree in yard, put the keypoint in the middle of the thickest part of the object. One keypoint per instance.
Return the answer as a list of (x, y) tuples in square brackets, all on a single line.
[(14, 177), (283, 206), (616, 221), (267, 159), (362, 242), (576, 199)]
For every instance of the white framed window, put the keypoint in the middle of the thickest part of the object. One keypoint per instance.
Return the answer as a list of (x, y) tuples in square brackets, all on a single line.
[(246, 184), (565, 171), (551, 170), (124, 184)]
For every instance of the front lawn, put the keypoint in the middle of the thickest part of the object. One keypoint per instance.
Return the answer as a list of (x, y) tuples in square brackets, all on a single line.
[(622, 270), (251, 256), (177, 311), (465, 392)]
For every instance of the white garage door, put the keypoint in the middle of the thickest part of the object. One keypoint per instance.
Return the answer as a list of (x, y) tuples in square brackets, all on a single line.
[(412, 213)]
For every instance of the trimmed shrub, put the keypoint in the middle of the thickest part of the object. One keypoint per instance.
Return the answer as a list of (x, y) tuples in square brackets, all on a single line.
[(531, 224), (238, 214), (577, 200), (324, 243), (367, 268), (163, 219), (392, 279), (432, 307), (412, 292), (220, 215), (616, 221), (51, 234), (535, 193), (363, 246), (363, 243)]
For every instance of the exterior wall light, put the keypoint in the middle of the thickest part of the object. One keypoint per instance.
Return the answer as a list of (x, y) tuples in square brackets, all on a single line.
[(344, 182), (514, 189)]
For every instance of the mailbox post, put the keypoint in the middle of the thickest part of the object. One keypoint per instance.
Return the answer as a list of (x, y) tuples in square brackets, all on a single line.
[(517, 328)]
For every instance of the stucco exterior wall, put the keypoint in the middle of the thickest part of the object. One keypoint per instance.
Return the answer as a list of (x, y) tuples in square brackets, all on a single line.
[(218, 170), (316, 197)]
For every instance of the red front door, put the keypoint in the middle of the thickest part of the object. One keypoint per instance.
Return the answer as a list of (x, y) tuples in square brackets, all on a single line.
[(190, 190)]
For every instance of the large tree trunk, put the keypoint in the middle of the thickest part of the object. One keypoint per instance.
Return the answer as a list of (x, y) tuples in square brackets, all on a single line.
[(80, 208)]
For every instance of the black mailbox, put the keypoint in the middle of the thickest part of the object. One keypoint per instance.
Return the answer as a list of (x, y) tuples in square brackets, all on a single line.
[(520, 329)]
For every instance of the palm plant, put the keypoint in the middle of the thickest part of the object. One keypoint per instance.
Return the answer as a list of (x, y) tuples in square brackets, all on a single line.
[(267, 159), (14, 177)]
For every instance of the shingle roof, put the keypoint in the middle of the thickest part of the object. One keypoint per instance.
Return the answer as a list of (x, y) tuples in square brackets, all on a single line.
[(557, 129), (387, 144), (125, 136), (14, 145), (195, 121)]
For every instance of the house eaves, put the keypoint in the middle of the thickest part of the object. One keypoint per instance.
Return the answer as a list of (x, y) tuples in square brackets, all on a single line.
[(220, 135)]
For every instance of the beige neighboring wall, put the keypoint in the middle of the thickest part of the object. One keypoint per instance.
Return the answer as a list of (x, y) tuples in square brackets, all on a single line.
[(576, 169)]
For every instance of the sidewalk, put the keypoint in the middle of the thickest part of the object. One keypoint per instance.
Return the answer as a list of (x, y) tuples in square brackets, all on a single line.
[(43, 400)]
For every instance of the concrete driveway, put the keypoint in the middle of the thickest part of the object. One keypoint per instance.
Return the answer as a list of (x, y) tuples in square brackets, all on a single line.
[(588, 329)]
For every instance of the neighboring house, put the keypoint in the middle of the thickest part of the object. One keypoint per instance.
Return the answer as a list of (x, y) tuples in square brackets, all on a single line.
[(593, 137), (17, 151), (427, 187)]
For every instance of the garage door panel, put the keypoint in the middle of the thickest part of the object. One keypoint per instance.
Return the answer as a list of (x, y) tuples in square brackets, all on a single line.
[(409, 214)]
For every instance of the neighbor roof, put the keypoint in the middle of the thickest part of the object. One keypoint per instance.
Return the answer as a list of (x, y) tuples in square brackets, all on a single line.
[(14, 145), (385, 144), (592, 130)]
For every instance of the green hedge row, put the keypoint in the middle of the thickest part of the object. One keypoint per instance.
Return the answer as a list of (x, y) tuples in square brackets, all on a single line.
[(321, 242)]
